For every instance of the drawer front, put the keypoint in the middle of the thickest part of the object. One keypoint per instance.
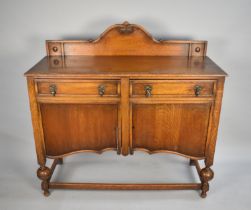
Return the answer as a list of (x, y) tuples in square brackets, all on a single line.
[(83, 87), (161, 88)]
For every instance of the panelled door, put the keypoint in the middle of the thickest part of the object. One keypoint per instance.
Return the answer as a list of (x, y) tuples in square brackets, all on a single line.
[(180, 127), (74, 127)]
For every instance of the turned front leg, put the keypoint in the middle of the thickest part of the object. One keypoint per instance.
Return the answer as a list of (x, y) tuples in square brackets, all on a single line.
[(206, 174), (44, 173)]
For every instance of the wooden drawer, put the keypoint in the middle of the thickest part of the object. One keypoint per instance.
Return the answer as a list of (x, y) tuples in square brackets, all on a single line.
[(160, 88), (78, 87)]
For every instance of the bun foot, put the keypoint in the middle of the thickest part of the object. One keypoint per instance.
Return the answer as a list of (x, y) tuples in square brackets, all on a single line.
[(203, 194), (46, 193), (60, 161), (191, 162)]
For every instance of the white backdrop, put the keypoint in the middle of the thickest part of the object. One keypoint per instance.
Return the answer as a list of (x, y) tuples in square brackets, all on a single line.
[(24, 27)]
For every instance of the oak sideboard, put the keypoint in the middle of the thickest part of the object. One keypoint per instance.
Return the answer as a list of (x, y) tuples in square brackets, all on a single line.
[(125, 91)]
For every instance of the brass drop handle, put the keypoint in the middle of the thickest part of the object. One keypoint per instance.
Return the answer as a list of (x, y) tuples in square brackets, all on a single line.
[(197, 90), (53, 90), (101, 90), (148, 90)]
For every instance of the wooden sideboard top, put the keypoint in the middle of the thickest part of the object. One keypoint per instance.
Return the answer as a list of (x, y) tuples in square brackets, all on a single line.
[(118, 66), (126, 50)]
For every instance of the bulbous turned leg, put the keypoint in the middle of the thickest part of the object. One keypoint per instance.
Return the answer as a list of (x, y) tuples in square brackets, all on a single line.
[(44, 173), (206, 174)]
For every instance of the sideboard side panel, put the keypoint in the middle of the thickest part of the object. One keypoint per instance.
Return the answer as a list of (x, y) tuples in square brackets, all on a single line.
[(214, 123), (36, 122)]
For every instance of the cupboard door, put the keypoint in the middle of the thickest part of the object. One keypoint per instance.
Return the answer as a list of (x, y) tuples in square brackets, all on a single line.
[(73, 127), (179, 128)]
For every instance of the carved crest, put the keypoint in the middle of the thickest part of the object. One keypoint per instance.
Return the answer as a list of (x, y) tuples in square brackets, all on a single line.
[(126, 28)]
